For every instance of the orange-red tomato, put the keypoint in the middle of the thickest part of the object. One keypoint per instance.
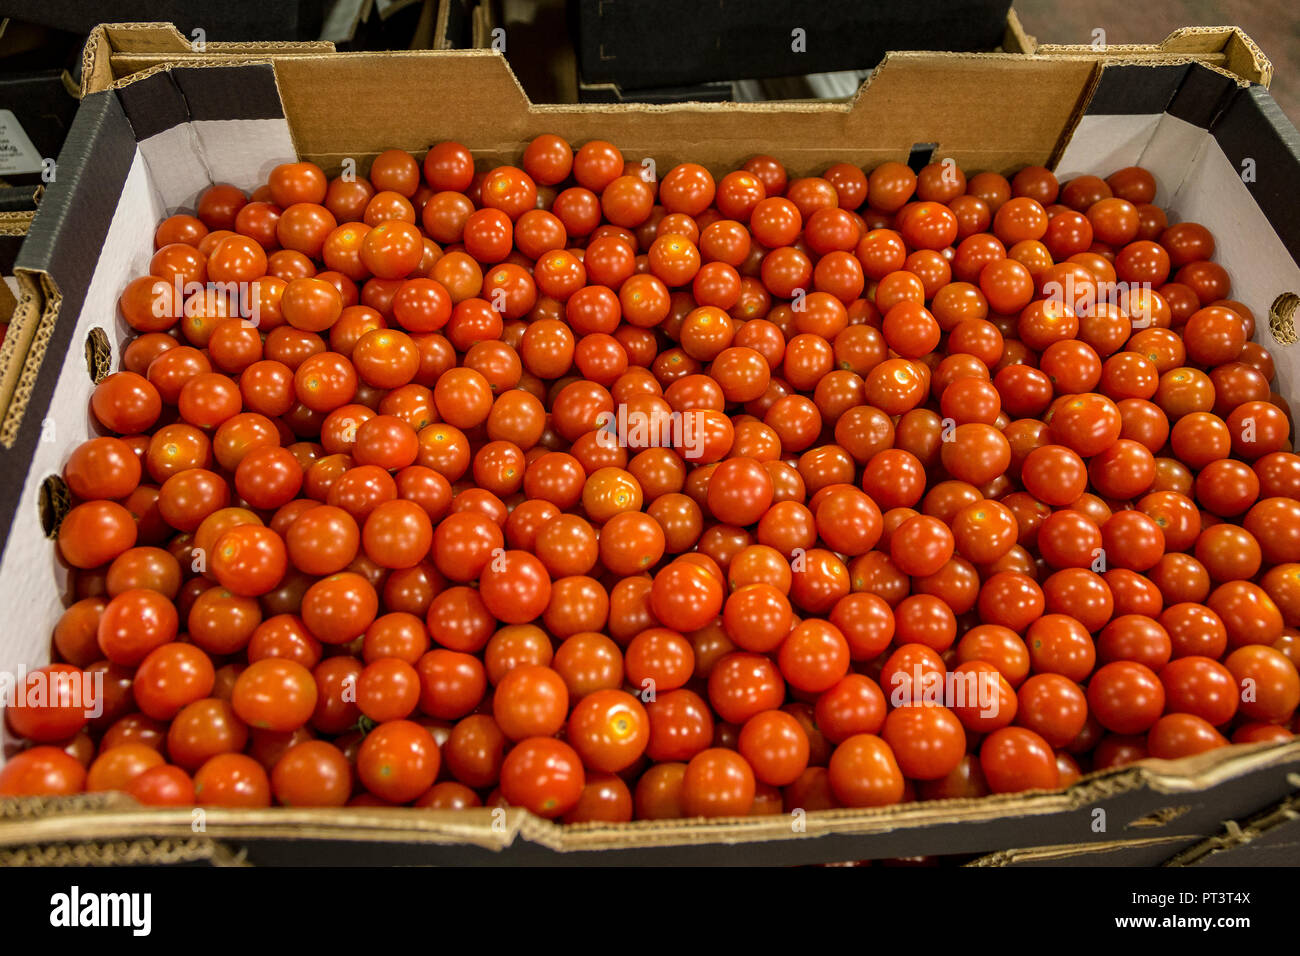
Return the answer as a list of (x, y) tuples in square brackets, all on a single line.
[(716, 494)]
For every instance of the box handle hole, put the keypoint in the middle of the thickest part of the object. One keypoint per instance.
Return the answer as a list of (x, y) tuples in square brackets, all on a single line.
[(53, 501), (921, 155), (99, 355), (1281, 318)]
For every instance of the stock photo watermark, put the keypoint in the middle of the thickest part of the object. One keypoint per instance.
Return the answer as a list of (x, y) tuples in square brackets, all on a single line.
[(40, 688)]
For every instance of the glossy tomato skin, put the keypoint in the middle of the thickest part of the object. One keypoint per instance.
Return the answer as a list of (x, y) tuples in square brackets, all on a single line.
[(1015, 759), (681, 725), (398, 761), (718, 783), (1273, 677), (864, 773), (775, 745), (52, 703), (312, 773), (530, 700), (609, 729), (41, 772), (686, 596), (1126, 697), (927, 741), (163, 785), (1181, 735), (232, 780), (543, 775), (378, 548)]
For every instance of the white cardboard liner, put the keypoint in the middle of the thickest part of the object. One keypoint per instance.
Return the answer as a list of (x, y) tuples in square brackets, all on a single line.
[(1194, 179), (186, 159), (1196, 182), (167, 174)]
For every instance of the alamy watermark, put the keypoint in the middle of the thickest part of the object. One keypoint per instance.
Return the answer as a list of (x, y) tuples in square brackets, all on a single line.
[(76, 908), (1084, 299), (42, 688), (243, 299), (629, 428), (969, 689)]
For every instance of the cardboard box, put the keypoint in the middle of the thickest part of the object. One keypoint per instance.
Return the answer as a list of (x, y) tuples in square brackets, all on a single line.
[(154, 129), (17, 209), (1269, 838)]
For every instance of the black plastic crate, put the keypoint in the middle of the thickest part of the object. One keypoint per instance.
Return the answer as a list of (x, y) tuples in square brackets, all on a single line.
[(685, 42)]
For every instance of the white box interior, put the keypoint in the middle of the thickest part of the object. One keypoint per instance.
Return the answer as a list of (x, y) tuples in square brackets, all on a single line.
[(167, 174), (1196, 182)]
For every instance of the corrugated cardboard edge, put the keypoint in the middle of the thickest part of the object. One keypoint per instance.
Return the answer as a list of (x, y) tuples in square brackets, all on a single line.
[(1227, 47), (164, 42), (114, 817), (1237, 834), (24, 347), (13, 224), (154, 852), (16, 223), (1014, 38), (481, 26), (440, 22)]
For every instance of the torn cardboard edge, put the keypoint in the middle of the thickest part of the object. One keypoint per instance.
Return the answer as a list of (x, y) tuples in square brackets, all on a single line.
[(1268, 823), (22, 353)]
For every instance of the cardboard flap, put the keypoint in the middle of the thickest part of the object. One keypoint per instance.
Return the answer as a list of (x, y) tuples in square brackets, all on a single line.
[(1227, 48), (412, 100), (116, 50)]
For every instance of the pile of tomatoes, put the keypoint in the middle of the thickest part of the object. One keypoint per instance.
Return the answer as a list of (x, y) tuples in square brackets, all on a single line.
[(359, 531)]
